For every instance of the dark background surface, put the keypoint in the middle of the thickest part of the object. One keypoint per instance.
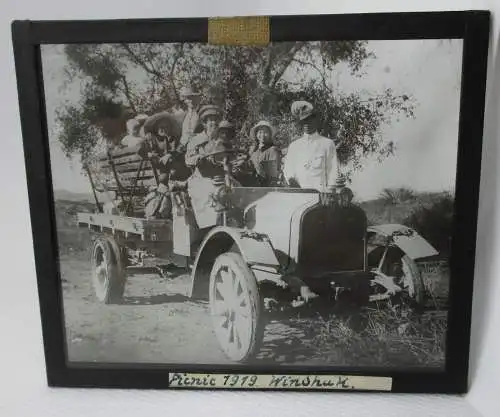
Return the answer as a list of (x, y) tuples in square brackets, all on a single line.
[(473, 26)]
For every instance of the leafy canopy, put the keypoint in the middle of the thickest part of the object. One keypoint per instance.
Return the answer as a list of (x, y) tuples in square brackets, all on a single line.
[(249, 83)]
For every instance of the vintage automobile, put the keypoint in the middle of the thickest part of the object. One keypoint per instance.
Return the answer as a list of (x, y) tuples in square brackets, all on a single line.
[(254, 249)]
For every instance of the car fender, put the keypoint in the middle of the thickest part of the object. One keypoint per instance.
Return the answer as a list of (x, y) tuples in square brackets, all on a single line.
[(255, 248), (405, 238)]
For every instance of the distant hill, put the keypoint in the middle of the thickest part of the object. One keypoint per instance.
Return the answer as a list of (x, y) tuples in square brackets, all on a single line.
[(66, 211), (72, 196)]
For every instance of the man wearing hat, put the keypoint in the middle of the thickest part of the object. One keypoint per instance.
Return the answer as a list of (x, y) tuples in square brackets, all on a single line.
[(311, 160), (192, 100), (210, 117), (211, 173)]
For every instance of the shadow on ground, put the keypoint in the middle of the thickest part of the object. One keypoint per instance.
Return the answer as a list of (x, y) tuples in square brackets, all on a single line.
[(155, 299)]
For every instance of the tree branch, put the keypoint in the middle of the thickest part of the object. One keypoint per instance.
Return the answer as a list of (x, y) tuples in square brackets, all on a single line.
[(137, 60), (267, 68), (126, 91), (291, 55), (299, 61), (180, 52)]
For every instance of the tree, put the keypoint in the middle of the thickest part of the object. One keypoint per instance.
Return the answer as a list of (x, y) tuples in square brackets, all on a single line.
[(392, 197), (250, 83), (434, 222)]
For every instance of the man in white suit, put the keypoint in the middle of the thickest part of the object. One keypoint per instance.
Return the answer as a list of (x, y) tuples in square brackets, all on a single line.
[(311, 160)]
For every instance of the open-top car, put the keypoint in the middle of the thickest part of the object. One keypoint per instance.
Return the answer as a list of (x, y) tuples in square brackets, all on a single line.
[(248, 249)]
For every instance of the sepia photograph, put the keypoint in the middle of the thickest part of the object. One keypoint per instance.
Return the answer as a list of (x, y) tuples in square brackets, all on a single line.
[(283, 205)]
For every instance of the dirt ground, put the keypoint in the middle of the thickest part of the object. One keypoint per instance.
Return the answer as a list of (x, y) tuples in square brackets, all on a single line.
[(155, 323)]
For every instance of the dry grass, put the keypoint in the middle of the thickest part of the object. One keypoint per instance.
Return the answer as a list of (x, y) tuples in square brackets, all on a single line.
[(384, 337)]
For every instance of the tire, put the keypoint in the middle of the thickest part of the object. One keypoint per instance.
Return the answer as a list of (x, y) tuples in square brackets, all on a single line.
[(108, 275), (236, 307), (411, 280), (414, 284)]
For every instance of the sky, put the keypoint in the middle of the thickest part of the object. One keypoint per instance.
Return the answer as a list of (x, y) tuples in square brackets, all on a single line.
[(426, 146)]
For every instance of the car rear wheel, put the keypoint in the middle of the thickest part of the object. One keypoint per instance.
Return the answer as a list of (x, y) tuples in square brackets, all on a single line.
[(108, 277), (235, 307)]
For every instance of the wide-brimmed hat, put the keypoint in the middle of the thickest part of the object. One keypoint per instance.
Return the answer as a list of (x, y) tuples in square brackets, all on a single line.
[(166, 119), (188, 92), (302, 109), (262, 123), (218, 147), (224, 124), (132, 124), (209, 110), (141, 118)]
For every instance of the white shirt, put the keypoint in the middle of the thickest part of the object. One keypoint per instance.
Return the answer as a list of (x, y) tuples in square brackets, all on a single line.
[(311, 160), (188, 126)]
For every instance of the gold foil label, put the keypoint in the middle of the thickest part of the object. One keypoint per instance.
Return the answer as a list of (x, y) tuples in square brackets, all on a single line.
[(279, 381), (251, 30)]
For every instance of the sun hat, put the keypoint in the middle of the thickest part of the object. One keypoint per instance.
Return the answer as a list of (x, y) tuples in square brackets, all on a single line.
[(302, 109), (262, 123), (209, 110)]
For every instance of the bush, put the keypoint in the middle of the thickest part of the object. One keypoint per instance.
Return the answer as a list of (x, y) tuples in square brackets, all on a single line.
[(434, 222)]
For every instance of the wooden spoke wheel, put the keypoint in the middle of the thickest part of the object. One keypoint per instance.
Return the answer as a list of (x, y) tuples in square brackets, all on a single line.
[(412, 282), (108, 276), (235, 307), (405, 272)]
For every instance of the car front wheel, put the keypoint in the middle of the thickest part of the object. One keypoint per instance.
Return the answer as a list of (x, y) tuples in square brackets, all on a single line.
[(235, 307)]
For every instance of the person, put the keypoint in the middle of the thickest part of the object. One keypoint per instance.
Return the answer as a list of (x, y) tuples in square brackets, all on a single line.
[(311, 160), (134, 136), (157, 203), (167, 163), (157, 144), (160, 147), (210, 117), (190, 123), (207, 183), (141, 118), (266, 157)]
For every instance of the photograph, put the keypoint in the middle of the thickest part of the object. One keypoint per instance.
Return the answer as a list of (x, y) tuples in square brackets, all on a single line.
[(289, 204)]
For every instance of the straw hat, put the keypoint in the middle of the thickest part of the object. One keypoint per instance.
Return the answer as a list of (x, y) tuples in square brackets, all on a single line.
[(218, 147), (224, 124), (166, 119), (141, 118), (302, 109), (132, 124), (209, 110), (262, 123)]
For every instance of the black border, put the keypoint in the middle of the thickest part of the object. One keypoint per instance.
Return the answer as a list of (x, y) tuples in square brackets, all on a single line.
[(471, 26)]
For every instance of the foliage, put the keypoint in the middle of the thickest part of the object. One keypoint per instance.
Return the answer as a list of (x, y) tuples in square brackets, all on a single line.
[(249, 83), (435, 222), (392, 196), (78, 135)]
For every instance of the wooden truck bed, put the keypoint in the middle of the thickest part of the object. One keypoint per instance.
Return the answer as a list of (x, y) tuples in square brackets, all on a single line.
[(148, 230)]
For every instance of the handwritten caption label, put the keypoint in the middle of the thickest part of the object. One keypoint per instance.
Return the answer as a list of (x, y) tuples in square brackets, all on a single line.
[(272, 381)]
